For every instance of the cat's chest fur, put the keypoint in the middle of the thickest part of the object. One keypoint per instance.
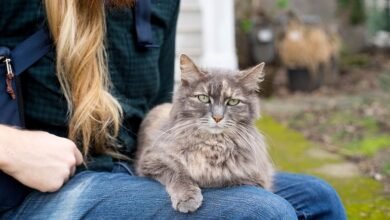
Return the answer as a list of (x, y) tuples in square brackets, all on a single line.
[(214, 152), (212, 162)]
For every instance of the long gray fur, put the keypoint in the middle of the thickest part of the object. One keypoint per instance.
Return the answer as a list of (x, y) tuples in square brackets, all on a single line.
[(181, 146)]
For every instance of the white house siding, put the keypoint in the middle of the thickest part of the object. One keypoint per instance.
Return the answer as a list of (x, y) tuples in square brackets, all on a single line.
[(205, 32)]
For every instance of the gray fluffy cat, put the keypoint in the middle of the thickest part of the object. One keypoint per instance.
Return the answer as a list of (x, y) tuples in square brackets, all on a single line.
[(207, 137)]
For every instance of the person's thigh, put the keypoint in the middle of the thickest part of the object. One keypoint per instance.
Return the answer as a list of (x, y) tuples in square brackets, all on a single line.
[(93, 195), (311, 197)]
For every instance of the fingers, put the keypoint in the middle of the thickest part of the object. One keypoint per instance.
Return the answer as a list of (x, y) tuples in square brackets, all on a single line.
[(65, 180), (79, 156), (71, 173), (72, 170)]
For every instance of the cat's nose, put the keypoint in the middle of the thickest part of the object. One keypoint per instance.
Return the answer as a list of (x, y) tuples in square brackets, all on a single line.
[(217, 118)]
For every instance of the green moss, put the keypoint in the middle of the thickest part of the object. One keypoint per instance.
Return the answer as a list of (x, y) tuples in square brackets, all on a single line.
[(368, 146), (365, 140), (287, 146), (369, 124), (386, 168), (362, 196)]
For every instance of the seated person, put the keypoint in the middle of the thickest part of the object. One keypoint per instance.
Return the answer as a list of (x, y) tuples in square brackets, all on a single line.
[(92, 110)]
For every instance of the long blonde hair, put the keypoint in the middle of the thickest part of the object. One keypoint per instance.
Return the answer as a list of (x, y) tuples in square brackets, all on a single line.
[(78, 29)]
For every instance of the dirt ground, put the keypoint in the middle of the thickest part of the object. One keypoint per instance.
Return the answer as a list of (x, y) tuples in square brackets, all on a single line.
[(350, 118)]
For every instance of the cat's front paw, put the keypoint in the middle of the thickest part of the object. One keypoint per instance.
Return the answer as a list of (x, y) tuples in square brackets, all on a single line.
[(187, 200)]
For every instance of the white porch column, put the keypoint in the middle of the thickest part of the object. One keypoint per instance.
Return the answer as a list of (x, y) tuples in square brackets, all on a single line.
[(218, 34)]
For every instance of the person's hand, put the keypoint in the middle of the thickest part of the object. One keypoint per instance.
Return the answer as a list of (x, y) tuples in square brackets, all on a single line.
[(38, 159)]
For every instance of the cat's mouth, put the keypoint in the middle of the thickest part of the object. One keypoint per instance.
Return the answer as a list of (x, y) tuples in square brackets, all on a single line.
[(215, 129)]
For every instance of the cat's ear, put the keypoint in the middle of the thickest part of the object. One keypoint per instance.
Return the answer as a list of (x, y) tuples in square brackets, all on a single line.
[(251, 77), (189, 71)]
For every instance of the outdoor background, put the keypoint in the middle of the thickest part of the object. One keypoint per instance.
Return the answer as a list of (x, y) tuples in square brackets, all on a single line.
[(326, 96)]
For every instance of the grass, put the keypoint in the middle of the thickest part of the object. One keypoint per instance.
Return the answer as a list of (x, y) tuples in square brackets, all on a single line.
[(384, 81), (361, 196), (368, 141), (356, 135), (386, 168)]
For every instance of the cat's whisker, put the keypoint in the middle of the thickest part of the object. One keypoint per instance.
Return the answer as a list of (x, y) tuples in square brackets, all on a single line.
[(244, 135), (176, 129), (230, 123), (258, 138), (181, 131), (242, 123), (203, 120)]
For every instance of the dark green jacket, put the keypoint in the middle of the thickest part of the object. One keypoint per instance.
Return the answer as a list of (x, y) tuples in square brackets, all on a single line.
[(141, 78)]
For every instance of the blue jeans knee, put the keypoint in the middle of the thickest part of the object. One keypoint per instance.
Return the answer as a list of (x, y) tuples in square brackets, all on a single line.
[(312, 197), (246, 202)]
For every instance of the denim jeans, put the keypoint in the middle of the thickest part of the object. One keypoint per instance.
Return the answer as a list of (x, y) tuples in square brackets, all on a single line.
[(122, 195)]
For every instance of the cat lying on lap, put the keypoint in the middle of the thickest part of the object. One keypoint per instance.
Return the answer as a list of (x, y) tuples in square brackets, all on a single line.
[(207, 137)]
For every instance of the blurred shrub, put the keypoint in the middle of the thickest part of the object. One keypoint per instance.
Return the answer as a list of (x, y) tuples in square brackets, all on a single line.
[(353, 60), (246, 25), (282, 4), (305, 46), (354, 9), (375, 20)]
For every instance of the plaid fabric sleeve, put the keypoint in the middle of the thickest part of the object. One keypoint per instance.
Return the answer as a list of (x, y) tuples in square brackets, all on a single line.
[(167, 62)]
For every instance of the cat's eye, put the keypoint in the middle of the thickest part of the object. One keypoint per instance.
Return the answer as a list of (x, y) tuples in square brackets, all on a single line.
[(233, 102), (203, 98)]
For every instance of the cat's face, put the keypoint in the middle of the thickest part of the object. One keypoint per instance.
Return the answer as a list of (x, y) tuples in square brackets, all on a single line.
[(217, 100)]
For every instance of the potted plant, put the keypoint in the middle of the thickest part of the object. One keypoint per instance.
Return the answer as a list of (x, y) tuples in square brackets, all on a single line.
[(309, 54)]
